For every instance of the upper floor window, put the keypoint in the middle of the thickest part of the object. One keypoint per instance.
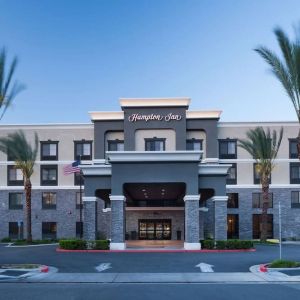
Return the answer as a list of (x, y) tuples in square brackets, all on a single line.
[(257, 200), (295, 199), (115, 145), (233, 200), (78, 179), (49, 200), (231, 176), (194, 144), (256, 175), (294, 173), (49, 150), (49, 175), (155, 144), (227, 149), (83, 150), (293, 152), (15, 201), (14, 176)]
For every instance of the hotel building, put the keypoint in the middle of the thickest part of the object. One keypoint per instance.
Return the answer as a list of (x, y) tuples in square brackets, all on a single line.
[(154, 170)]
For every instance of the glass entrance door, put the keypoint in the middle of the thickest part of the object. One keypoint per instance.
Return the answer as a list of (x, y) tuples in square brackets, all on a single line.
[(155, 229)]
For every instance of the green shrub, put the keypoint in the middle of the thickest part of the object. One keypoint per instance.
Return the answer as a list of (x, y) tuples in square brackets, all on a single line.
[(221, 245), (6, 240), (207, 244), (101, 245), (72, 244), (281, 263)]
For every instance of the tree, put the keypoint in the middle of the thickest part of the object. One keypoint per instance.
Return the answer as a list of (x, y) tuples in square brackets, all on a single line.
[(286, 68), (263, 146), (24, 156), (8, 89)]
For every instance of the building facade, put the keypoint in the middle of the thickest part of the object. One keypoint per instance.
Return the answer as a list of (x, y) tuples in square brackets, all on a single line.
[(154, 170)]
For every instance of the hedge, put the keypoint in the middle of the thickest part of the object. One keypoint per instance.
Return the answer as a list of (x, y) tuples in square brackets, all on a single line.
[(84, 245), (227, 245)]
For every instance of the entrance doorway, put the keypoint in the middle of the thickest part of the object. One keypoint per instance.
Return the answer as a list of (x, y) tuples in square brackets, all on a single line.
[(157, 229)]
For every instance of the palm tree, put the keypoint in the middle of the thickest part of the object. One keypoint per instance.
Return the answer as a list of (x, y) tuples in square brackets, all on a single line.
[(24, 155), (263, 147), (8, 90), (287, 68)]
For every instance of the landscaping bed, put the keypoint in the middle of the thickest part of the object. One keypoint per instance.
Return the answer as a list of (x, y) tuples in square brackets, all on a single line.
[(84, 245), (227, 245)]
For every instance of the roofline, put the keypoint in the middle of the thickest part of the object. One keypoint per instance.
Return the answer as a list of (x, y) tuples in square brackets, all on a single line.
[(257, 123), (155, 102), (54, 125)]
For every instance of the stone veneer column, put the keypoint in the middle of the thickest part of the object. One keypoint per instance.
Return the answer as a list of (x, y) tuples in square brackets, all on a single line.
[(89, 218), (220, 219), (202, 212), (117, 222), (191, 222)]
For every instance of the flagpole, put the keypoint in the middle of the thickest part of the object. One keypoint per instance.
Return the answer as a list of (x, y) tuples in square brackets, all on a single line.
[(80, 206)]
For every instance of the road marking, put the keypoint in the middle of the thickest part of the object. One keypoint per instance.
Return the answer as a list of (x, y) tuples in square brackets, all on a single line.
[(205, 268), (104, 266)]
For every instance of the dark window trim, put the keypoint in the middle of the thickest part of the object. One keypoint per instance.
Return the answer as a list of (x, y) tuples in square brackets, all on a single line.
[(49, 235), (116, 141), (292, 155), (83, 157), (237, 200), (257, 180), (295, 205), (230, 180), (77, 183), (261, 200), (14, 207), (155, 139), (194, 140), (49, 206), (227, 156), (13, 182), (294, 180), (45, 157), (48, 182)]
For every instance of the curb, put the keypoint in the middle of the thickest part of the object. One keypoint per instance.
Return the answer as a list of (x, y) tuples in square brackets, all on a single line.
[(156, 251), (263, 268), (44, 269)]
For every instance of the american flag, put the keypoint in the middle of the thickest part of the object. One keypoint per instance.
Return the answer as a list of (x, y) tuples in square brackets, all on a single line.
[(72, 168)]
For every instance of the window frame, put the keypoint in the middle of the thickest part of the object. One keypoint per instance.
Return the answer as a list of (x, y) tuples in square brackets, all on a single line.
[(296, 204), (48, 182), (14, 182), (155, 139), (48, 235), (236, 201), (232, 181), (271, 204), (48, 157), (15, 207), (294, 180), (293, 155), (114, 142), (83, 157), (49, 206), (193, 140), (226, 155)]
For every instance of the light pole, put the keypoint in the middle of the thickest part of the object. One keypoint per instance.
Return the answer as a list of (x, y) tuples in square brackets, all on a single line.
[(280, 246)]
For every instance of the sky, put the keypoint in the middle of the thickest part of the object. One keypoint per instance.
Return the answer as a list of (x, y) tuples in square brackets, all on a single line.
[(79, 56)]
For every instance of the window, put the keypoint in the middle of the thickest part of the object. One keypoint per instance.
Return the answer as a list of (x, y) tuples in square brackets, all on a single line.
[(79, 229), (15, 201), (231, 176), (49, 175), (293, 148), (14, 176), (295, 199), (15, 230), (49, 230), (233, 200), (194, 145), (155, 144), (49, 200), (83, 150), (227, 149), (49, 150), (232, 226), (78, 202), (77, 177), (115, 145), (256, 226), (257, 200), (256, 176), (294, 173)]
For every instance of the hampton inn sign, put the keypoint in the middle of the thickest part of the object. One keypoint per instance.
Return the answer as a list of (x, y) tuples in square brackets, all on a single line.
[(154, 117)]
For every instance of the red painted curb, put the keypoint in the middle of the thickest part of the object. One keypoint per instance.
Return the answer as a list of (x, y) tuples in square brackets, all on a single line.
[(44, 269), (156, 251), (263, 268)]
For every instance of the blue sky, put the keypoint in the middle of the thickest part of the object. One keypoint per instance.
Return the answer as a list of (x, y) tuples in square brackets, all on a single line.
[(79, 56)]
